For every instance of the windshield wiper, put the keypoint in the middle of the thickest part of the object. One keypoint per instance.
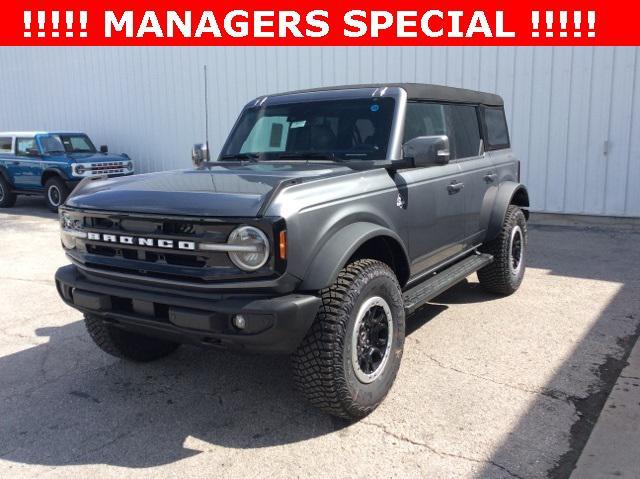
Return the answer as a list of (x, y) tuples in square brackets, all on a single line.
[(309, 155), (241, 156)]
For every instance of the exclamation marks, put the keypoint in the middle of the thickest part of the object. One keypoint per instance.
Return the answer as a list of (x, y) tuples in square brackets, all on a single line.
[(55, 21), (564, 23), (54, 29), (549, 22), (41, 21), (577, 20), (591, 20), (27, 24), (68, 17), (83, 24)]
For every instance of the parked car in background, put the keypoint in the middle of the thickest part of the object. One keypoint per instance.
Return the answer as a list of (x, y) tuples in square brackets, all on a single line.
[(52, 163)]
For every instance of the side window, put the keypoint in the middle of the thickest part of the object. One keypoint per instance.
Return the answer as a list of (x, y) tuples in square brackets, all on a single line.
[(464, 135), (458, 122), (5, 145), (24, 144), (495, 124)]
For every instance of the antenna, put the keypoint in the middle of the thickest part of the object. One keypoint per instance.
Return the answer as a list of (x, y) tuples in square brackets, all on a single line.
[(206, 115)]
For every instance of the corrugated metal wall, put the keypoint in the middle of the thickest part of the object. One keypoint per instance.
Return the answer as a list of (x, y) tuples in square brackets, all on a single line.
[(574, 113)]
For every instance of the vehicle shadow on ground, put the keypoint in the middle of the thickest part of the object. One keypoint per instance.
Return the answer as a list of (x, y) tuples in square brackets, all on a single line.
[(29, 206), (584, 380), (64, 402)]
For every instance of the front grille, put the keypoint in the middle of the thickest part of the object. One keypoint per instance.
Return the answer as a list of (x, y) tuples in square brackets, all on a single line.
[(107, 168), (169, 263)]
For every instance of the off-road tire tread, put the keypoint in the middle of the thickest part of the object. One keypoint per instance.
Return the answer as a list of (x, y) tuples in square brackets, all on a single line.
[(9, 198), (317, 363), (127, 345), (496, 277)]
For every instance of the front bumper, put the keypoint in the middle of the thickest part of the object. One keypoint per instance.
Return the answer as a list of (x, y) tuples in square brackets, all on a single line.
[(73, 181), (273, 324)]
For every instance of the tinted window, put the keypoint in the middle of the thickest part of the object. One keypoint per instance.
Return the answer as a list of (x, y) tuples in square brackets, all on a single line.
[(5, 145), (458, 122), (496, 125), (23, 144)]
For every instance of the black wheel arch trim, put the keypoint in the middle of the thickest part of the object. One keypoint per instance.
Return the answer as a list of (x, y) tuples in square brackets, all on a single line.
[(342, 245), (507, 193), (53, 171)]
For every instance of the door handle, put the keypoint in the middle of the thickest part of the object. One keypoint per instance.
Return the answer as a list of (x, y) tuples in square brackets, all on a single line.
[(490, 178), (454, 188)]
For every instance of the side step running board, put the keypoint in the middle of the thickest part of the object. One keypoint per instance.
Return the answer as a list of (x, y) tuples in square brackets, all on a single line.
[(440, 282)]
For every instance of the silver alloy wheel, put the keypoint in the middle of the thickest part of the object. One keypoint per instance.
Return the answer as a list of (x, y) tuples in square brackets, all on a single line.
[(516, 250), (54, 195), (1, 191), (371, 340)]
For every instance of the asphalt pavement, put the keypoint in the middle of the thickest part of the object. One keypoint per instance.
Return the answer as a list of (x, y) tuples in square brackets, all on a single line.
[(489, 386)]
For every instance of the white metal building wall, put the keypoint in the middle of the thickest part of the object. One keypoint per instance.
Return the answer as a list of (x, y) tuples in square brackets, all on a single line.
[(574, 113)]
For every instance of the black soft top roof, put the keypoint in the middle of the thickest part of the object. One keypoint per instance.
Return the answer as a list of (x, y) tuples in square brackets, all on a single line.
[(422, 91)]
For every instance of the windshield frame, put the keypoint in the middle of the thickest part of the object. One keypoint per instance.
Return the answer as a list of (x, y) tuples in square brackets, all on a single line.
[(394, 145)]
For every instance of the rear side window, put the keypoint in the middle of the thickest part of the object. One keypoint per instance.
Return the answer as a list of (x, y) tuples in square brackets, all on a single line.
[(458, 122), (495, 124), (5, 145)]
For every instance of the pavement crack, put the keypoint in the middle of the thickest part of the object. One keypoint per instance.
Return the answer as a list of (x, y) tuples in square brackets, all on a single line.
[(553, 394), (438, 452)]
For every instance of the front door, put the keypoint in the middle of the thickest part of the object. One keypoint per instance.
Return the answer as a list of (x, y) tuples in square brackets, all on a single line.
[(26, 168), (443, 198)]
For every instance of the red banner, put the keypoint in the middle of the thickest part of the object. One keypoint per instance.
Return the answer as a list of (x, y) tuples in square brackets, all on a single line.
[(305, 22)]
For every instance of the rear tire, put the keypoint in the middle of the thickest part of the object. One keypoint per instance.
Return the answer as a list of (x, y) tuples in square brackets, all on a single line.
[(125, 344), (7, 197), (505, 274), (55, 193), (348, 361)]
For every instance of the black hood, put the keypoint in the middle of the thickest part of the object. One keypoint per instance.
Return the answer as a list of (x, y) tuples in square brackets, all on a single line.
[(221, 190)]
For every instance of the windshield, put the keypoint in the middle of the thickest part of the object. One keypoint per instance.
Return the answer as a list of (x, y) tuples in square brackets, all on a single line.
[(342, 129), (67, 144)]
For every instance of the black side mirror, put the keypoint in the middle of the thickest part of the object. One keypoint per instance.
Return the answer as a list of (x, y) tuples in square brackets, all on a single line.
[(427, 150), (33, 152), (104, 149), (199, 154)]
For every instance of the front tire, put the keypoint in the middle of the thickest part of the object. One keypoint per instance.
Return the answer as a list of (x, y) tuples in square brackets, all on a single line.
[(55, 193), (505, 274), (7, 197), (125, 344), (348, 361)]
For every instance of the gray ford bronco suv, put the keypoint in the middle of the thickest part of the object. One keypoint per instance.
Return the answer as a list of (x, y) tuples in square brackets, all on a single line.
[(330, 216)]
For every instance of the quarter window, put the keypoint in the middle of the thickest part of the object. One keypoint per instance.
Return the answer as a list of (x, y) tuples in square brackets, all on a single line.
[(5, 145), (458, 122), (496, 126)]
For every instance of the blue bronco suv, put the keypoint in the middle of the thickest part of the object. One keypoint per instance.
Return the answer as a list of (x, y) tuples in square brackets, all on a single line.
[(52, 163)]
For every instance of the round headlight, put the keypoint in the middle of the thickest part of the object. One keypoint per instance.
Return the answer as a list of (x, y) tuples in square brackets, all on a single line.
[(80, 170), (253, 248), (129, 165)]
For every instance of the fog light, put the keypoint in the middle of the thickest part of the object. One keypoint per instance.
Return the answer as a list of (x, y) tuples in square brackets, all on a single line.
[(239, 321)]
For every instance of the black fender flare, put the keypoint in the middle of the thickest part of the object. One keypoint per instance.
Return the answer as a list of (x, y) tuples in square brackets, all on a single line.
[(508, 193), (336, 251), (53, 171)]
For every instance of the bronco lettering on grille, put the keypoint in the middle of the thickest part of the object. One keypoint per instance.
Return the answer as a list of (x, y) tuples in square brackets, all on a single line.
[(141, 241)]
